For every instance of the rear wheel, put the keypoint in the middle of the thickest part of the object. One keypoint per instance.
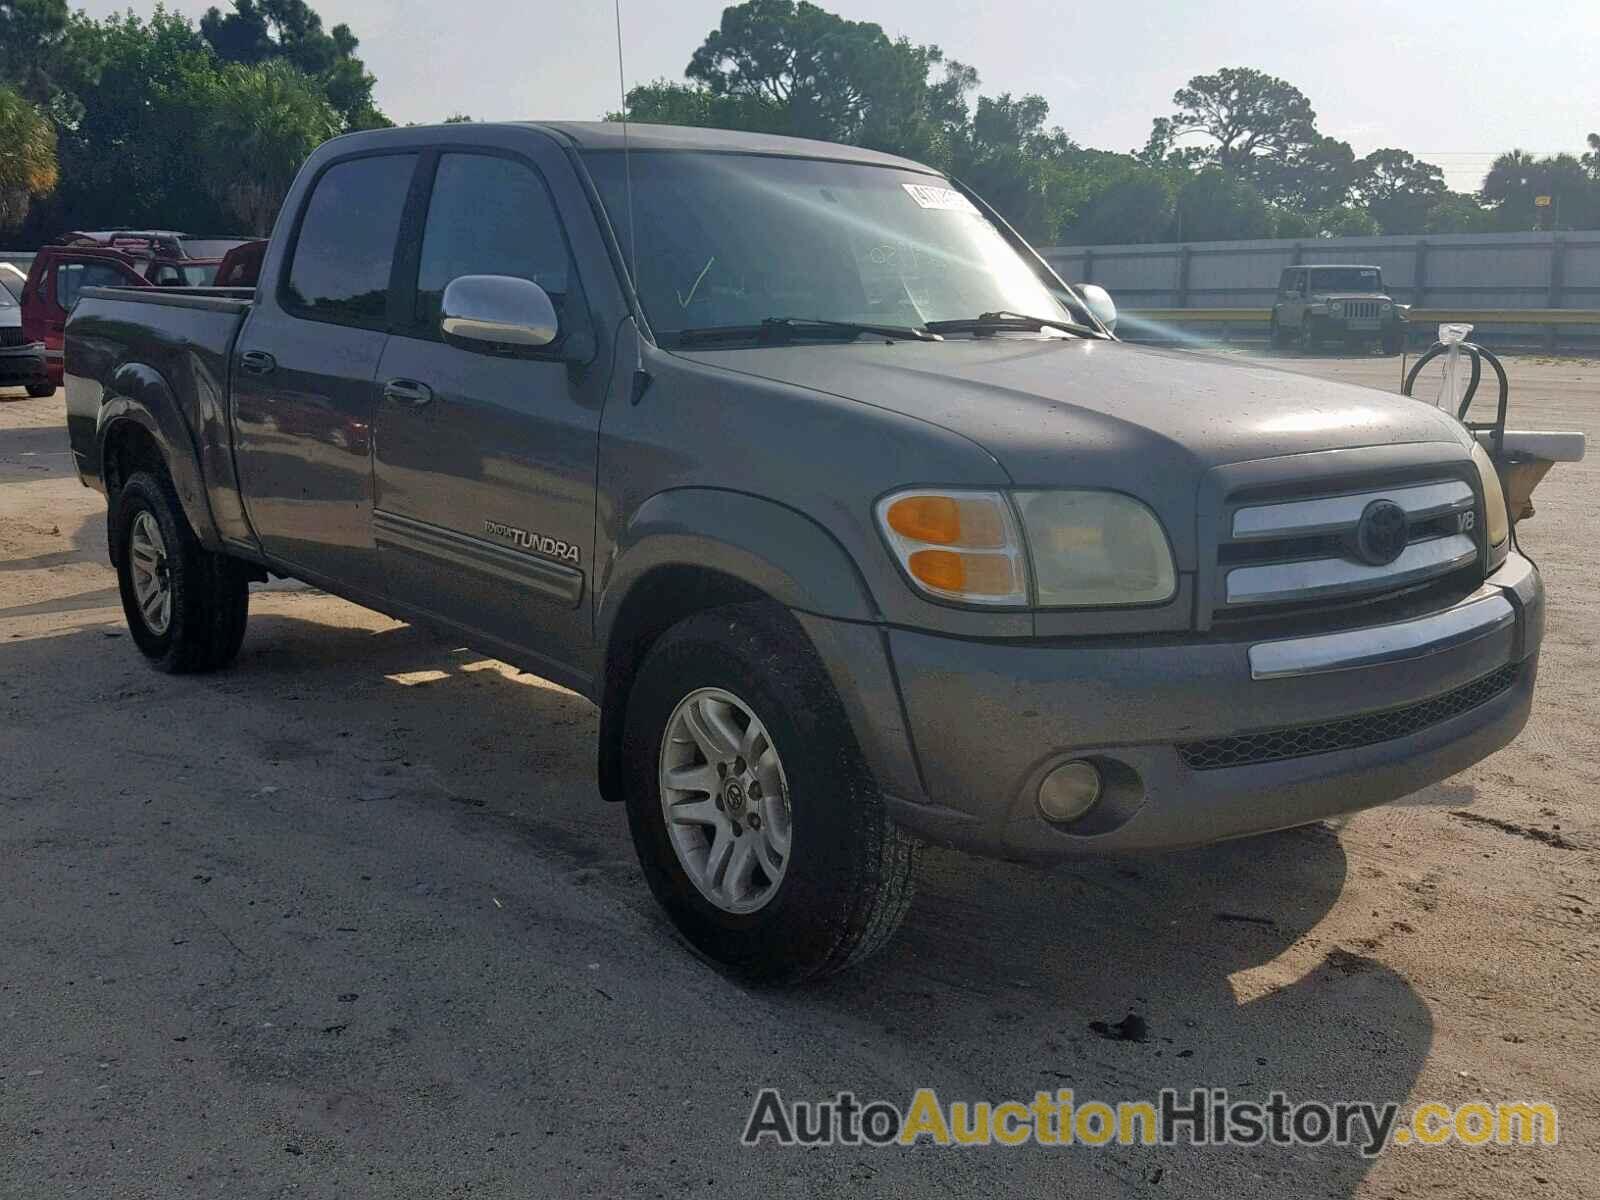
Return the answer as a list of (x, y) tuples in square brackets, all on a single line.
[(1276, 338), (756, 823), (186, 607)]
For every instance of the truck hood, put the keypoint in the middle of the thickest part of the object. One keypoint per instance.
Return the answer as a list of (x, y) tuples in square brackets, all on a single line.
[(1085, 413), (1320, 297)]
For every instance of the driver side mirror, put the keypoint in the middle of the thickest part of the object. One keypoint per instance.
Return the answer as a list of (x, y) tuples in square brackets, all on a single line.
[(498, 310), (1100, 303)]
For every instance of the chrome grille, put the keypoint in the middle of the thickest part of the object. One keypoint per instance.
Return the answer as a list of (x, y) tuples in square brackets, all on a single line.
[(1306, 549), (13, 336), (1361, 310)]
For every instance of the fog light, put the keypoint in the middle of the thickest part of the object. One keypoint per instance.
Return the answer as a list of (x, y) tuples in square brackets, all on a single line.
[(1069, 791)]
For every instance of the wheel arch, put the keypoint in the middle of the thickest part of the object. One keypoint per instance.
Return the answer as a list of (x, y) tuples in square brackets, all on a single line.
[(693, 549), (142, 424)]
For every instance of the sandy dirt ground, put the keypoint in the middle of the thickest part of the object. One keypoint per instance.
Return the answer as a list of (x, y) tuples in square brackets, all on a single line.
[(350, 920)]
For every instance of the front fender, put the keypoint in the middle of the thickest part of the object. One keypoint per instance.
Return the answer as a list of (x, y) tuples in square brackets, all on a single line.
[(139, 394), (769, 546)]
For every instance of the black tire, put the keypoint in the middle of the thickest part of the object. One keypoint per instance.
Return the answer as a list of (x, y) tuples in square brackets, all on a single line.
[(210, 595), (850, 871), (1393, 343), (1308, 339), (40, 391), (1276, 339)]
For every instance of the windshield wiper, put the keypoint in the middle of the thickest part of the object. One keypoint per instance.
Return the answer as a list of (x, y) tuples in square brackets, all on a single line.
[(776, 330), (1002, 322)]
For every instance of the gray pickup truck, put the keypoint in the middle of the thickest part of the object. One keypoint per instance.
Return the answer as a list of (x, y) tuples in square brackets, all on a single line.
[(856, 524)]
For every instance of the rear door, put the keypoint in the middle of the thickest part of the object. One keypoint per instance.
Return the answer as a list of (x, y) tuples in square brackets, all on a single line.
[(304, 375), (485, 461)]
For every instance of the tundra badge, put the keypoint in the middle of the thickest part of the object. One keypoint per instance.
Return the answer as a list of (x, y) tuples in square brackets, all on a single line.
[(549, 547)]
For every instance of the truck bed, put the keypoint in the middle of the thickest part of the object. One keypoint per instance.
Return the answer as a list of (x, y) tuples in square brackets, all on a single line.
[(164, 354)]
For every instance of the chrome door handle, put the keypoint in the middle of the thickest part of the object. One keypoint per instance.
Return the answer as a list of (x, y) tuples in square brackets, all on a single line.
[(407, 391), (258, 362)]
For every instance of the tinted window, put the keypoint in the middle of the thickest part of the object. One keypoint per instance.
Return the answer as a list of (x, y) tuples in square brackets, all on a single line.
[(347, 237), (72, 278), (489, 216), (1346, 279)]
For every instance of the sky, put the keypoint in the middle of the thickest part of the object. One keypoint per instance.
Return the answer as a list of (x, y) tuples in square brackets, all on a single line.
[(1454, 81)]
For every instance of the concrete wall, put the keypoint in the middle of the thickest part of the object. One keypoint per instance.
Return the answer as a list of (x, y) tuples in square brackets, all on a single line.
[(1493, 270)]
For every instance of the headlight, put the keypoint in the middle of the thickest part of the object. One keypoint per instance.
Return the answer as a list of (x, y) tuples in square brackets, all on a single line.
[(1495, 517), (1095, 548), (1336, 307), (1384, 306), (1088, 549)]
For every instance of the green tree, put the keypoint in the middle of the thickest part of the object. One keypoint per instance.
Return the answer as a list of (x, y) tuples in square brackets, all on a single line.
[(1517, 179), (27, 160), (666, 103), (1214, 206), (1457, 212), (31, 33), (1136, 206), (264, 120), (1246, 113), (131, 149), (1398, 189), (839, 80), (259, 30)]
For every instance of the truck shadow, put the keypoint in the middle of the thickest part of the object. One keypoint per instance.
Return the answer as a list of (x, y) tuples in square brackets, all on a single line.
[(1115, 978)]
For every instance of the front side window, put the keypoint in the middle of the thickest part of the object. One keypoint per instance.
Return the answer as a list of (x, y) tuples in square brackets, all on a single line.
[(489, 216), (734, 239), (346, 246), (72, 278)]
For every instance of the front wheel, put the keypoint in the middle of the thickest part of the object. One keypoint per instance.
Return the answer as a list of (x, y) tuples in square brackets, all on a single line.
[(1393, 343), (1308, 339), (41, 391), (755, 820), (186, 607)]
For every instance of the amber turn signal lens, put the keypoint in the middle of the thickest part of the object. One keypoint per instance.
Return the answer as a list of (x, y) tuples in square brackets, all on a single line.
[(970, 574), (948, 521)]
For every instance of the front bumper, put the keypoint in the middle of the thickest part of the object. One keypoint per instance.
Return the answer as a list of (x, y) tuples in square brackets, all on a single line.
[(1403, 706), (22, 365), (1325, 325)]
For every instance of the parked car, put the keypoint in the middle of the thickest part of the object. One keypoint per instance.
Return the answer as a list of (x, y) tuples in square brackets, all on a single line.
[(241, 266), (12, 278), (112, 258), (855, 523), (1345, 305), (21, 361)]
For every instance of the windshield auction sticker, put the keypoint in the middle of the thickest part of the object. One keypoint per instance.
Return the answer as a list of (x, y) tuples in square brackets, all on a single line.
[(1200, 1117), (942, 198)]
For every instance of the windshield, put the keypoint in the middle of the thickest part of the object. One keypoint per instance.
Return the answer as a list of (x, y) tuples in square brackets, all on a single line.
[(733, 239), (1346, 279)]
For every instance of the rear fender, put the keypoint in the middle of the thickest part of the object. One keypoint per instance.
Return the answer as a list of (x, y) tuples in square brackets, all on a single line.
[(140, 395)]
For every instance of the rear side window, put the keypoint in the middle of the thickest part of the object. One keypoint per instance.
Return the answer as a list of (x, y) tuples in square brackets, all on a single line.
[(489, 216), (73, 277), (345, 250)]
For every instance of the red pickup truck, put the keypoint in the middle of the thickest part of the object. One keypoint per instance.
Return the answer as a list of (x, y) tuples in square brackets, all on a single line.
[(110, 258)]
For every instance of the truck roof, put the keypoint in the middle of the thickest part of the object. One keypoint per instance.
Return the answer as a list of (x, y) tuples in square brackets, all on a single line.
[(1339, 266), (607, 135)]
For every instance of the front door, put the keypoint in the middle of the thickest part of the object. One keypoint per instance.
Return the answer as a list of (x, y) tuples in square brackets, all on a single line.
[(305, 390), (485, 464)]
